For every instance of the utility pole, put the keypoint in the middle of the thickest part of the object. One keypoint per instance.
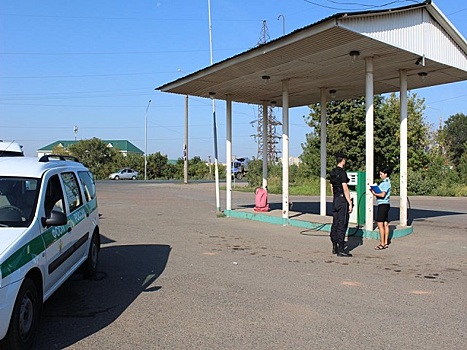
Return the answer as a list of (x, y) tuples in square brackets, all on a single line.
[(212, 94), (146, 141), (185, 146)]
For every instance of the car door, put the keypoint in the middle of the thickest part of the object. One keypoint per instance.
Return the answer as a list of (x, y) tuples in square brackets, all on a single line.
[(57, 239), (126, 174), (77, 218)]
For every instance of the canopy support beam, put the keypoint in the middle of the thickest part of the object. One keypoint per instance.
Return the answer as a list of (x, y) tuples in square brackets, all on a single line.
[(285, 149), (228, 153), (322, 189), (369, 129), (403, 150), (265, 144)]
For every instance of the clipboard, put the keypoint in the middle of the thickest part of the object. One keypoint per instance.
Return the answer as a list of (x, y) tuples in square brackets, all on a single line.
[(376, 189)]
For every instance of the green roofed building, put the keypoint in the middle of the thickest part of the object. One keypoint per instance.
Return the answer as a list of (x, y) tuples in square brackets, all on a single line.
[(124, 146)]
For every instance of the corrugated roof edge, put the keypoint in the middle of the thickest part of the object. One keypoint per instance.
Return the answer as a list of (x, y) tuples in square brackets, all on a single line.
[(336, 16)]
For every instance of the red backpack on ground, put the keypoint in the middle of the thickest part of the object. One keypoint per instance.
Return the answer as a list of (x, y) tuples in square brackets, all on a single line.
[(261, 199)]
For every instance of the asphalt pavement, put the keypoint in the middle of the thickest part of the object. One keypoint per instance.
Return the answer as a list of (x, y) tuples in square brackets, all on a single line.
[(173, 274)]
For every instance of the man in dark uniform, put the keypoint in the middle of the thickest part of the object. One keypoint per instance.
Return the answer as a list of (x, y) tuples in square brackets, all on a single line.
[(341, 206)]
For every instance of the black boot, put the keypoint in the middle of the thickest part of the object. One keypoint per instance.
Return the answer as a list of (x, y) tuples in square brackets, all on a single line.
[(341, 252), (334, 248)]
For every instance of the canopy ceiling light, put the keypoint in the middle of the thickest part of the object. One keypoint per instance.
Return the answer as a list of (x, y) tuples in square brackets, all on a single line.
[(422, 75), (354, 55)]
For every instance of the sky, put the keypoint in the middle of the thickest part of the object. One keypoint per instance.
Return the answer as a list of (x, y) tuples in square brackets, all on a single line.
[(95, 64)]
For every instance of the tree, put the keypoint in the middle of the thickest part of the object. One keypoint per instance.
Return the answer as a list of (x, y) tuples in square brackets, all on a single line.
[(346, 133), (388, 124), (455, 137), (158, 166), (462, 167), (130, 160), (95, 155)]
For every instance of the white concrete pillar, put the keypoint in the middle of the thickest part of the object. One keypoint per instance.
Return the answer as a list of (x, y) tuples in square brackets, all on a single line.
[(265, 143), (322, 187), (285, 149), (228, 153), (403, 148), (369, 156)]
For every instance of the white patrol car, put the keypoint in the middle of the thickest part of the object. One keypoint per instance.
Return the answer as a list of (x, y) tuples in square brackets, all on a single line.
[(49, 227)]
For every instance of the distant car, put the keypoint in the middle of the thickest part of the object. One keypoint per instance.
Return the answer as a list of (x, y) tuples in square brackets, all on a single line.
[(49, 227), (124, 174)]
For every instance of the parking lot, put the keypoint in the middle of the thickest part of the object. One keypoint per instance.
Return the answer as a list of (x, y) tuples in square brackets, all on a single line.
[(174, 275)]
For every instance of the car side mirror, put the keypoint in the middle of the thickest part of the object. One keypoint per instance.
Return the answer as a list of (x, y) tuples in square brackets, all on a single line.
[(57, 218)]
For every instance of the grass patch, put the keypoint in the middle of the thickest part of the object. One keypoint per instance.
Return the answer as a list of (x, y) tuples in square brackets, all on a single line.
[(311, 187), (303, 188)]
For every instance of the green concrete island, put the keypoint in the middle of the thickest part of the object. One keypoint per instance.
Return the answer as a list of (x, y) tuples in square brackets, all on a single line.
[(317, 223)]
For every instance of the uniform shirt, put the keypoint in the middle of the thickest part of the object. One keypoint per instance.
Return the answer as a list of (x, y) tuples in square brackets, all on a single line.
[(338, 176), (385, 186)]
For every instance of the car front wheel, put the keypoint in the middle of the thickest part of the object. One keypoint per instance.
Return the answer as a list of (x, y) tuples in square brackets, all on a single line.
[(90, 265), (24, 319), (117, 177)]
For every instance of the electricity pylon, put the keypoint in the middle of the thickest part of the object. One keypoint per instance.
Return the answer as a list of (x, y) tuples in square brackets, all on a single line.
[(272, 138)]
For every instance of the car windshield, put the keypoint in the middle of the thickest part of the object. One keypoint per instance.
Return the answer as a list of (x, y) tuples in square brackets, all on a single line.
[(18, 198)]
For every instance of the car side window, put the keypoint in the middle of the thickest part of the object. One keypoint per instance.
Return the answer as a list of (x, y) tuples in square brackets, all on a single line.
[(89, 187), (53, 196), (72, 192)]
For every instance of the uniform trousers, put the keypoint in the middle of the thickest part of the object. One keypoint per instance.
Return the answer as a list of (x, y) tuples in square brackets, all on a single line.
[(340, 219)]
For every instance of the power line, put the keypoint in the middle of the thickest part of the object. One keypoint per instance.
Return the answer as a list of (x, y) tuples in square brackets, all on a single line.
[(356, 4), (83, 75), (202, 20), (109, 53)]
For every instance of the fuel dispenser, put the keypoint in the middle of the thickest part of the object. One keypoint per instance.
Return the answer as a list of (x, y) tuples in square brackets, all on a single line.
[(357, 195)]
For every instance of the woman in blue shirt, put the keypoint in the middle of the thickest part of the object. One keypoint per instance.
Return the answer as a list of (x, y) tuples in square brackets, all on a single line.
[(382, 200)]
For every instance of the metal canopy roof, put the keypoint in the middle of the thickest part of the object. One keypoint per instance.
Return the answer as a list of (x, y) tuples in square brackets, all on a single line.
[(317, 56)]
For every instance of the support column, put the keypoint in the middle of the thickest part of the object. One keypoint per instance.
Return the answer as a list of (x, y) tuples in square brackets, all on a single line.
[(285, 149), (403, 148), (322, 187), (369, 156), (265, 143), (228, 153), (185, 150)]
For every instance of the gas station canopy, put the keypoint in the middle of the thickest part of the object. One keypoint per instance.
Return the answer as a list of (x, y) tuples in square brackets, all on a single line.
[(331, 54)]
